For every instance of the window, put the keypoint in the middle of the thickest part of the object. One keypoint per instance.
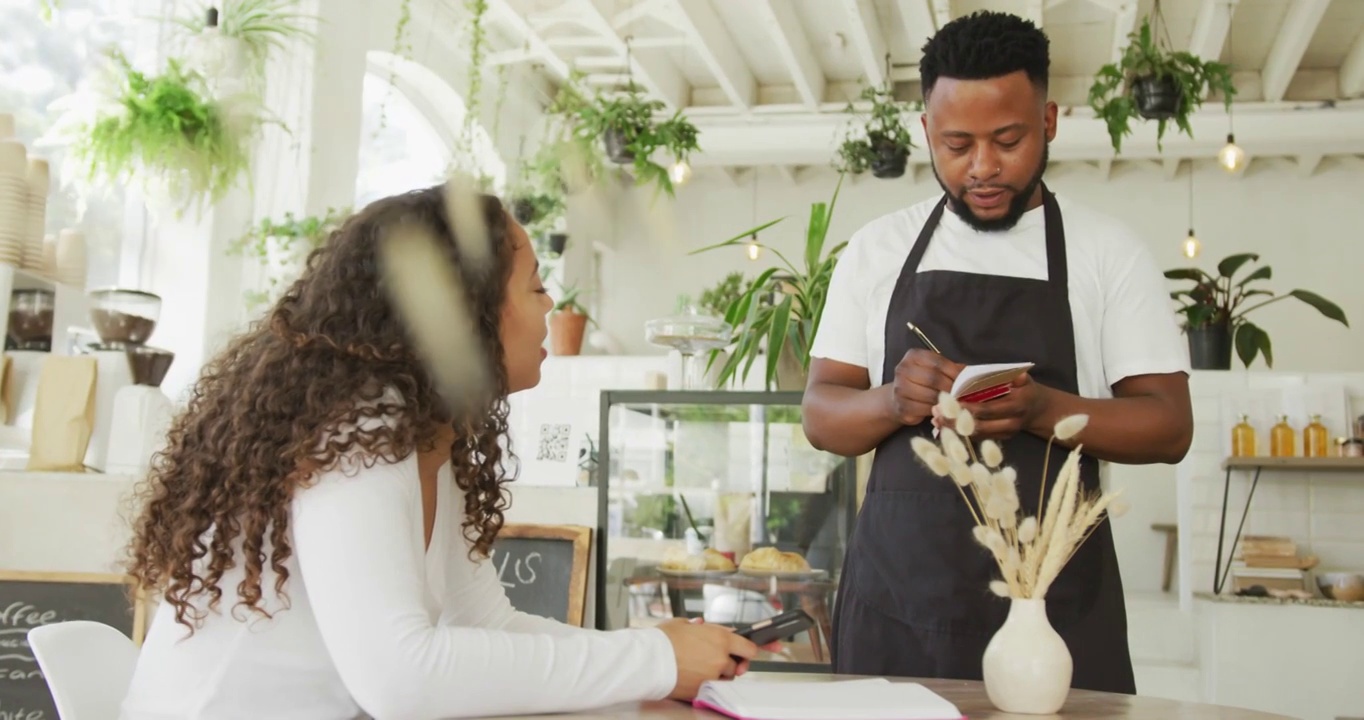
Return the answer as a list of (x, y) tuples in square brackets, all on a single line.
[(41, 62), (409, 130)]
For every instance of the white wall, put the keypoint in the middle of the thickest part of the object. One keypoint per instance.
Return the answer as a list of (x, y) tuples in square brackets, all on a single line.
[(1307, 229)]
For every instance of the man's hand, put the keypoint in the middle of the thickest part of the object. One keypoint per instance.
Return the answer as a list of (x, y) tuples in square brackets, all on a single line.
[(919, 377), (1008, 415)]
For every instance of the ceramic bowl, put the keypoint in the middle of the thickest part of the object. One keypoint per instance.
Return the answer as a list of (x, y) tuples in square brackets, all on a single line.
[(1346, 586)]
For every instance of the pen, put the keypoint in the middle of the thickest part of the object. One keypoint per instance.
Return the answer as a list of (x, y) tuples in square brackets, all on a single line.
[(923, 337)]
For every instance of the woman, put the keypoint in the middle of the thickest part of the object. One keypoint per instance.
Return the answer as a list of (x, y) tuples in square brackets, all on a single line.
[(319, 521)]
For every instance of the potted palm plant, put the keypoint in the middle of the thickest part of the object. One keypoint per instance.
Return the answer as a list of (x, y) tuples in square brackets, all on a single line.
[(1153, 82), (778, 312), (883, 143), (1215, 310)]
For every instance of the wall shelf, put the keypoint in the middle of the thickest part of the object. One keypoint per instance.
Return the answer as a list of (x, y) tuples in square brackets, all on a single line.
[(1295, 464)]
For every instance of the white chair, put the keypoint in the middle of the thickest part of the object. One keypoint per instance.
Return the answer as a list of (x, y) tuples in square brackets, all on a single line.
[(88, 666)]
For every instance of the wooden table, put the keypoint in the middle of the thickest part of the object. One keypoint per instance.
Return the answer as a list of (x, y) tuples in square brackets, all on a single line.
[(969, 697)]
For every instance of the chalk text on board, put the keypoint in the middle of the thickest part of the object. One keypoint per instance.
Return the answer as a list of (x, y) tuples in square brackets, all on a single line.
[(525, 578), (21, 714), (19, 613)]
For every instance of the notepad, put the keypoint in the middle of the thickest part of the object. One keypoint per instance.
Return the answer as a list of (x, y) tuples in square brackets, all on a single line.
[(978, 383), (870, 699)]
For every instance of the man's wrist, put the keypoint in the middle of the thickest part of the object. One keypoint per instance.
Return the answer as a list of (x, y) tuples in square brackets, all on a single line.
[(1051, 407)]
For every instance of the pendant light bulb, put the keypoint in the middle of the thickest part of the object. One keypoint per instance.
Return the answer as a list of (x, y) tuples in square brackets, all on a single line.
[(1231, 157), (680, 172), (1191, 245), (754, 249)]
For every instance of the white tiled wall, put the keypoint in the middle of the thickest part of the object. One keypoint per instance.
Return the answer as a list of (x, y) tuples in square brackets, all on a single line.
[(1322, 512)]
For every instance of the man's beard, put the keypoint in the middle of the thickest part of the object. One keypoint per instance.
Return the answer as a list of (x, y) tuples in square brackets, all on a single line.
[(1017, 206)]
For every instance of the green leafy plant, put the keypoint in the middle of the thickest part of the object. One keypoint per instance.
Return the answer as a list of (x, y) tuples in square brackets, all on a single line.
[(1224, 301), (1151, 81), (625, 122), (783, 305), (275, 244), (717, 299), (262, 26), (883, 143), (166, 130)]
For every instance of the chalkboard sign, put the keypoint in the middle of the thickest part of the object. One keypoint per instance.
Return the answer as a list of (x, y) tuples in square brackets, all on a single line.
[(30, 599), (544, 569)]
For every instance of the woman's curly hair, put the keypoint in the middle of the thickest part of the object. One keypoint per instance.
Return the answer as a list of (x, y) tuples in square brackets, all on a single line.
[(289, 398)]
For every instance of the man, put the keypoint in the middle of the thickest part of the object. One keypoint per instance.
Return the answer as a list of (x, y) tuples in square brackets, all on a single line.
[(996, 270)]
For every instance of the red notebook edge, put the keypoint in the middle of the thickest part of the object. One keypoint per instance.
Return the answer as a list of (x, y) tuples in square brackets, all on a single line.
[(989, 393)]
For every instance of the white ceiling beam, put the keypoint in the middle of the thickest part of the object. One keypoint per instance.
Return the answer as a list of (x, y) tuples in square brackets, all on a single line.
[(794, 48), (1308, 164), (736, 175), (599, 62), (658, 75), (1352, 70), (1295, 32), (697, 20), (656, 9), (1124, 22), (942, 12), (917, 17), (524, 35), (867, 40), (811, 139), (791, 173), (1211, 28)]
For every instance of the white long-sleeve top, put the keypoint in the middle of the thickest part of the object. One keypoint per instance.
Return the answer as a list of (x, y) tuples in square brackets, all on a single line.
[(379, 626)]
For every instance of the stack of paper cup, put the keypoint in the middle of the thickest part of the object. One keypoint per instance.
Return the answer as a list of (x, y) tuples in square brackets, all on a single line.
[(13, 201), (50, 256), (38, 184), (6, 126), (69, 266)]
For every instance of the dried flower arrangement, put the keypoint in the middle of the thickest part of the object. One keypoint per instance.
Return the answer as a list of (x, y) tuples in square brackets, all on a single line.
[(1029, 550)]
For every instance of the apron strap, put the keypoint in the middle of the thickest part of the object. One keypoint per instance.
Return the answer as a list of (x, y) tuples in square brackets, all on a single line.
[(1057, 274)]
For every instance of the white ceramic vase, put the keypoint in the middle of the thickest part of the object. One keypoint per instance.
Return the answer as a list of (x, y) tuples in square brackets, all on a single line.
[(1027, 666)]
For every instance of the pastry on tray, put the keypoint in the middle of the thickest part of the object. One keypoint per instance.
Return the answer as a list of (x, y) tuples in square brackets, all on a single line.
[(710, 560), (770, 559)]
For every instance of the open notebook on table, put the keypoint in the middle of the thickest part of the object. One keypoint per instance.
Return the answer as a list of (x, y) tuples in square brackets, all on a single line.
[(869, 699)]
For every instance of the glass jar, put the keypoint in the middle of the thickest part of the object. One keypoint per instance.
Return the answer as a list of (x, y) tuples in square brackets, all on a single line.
[(1354, 447), (1282, 439), (1314, 438), (1243, 438)]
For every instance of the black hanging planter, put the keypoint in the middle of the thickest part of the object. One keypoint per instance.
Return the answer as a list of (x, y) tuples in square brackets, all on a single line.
[(523, 210), (1210, 346), (889, 160), (1157, 97), (617, 147), (557, 243)]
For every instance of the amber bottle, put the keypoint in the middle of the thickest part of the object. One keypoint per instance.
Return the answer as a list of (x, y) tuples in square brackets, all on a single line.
[(1282, 439), (1243, 439), (1314, 440)]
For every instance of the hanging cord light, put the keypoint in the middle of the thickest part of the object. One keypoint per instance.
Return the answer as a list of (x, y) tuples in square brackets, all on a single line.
[(1231, 157), (1191, 246)]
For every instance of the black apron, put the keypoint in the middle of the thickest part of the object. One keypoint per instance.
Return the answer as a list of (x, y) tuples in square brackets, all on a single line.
[(914, 598)]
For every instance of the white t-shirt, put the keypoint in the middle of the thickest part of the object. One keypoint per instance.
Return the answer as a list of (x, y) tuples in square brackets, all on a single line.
[(1120, 308), (381, 627)]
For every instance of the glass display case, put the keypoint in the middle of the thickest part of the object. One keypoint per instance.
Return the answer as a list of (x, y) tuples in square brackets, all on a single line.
[(692, 482)]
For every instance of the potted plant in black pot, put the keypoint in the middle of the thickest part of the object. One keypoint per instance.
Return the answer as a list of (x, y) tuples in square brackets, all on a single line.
[(1151, 81), (1215, 310), (883, 143), (626, 125)]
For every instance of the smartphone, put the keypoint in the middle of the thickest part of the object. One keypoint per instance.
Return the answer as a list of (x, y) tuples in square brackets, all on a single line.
[(775, 628)]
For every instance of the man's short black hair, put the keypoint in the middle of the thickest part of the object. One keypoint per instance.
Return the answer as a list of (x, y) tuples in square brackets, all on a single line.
[(985, 45)]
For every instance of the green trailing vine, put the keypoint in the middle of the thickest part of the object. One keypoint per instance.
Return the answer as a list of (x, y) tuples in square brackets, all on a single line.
[(883, 143), (284, 239), (262, 26), (402, 48), (168, 128)]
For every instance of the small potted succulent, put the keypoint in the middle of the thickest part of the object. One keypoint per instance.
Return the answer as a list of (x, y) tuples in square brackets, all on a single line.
[(1153, 82)]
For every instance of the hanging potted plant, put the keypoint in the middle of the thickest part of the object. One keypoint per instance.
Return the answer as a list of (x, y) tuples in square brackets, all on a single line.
[(1153, 82), (165, 131), (778, 312), (883, 143), (282, 247), (239, 36), (626, 126), (1215, 310)]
